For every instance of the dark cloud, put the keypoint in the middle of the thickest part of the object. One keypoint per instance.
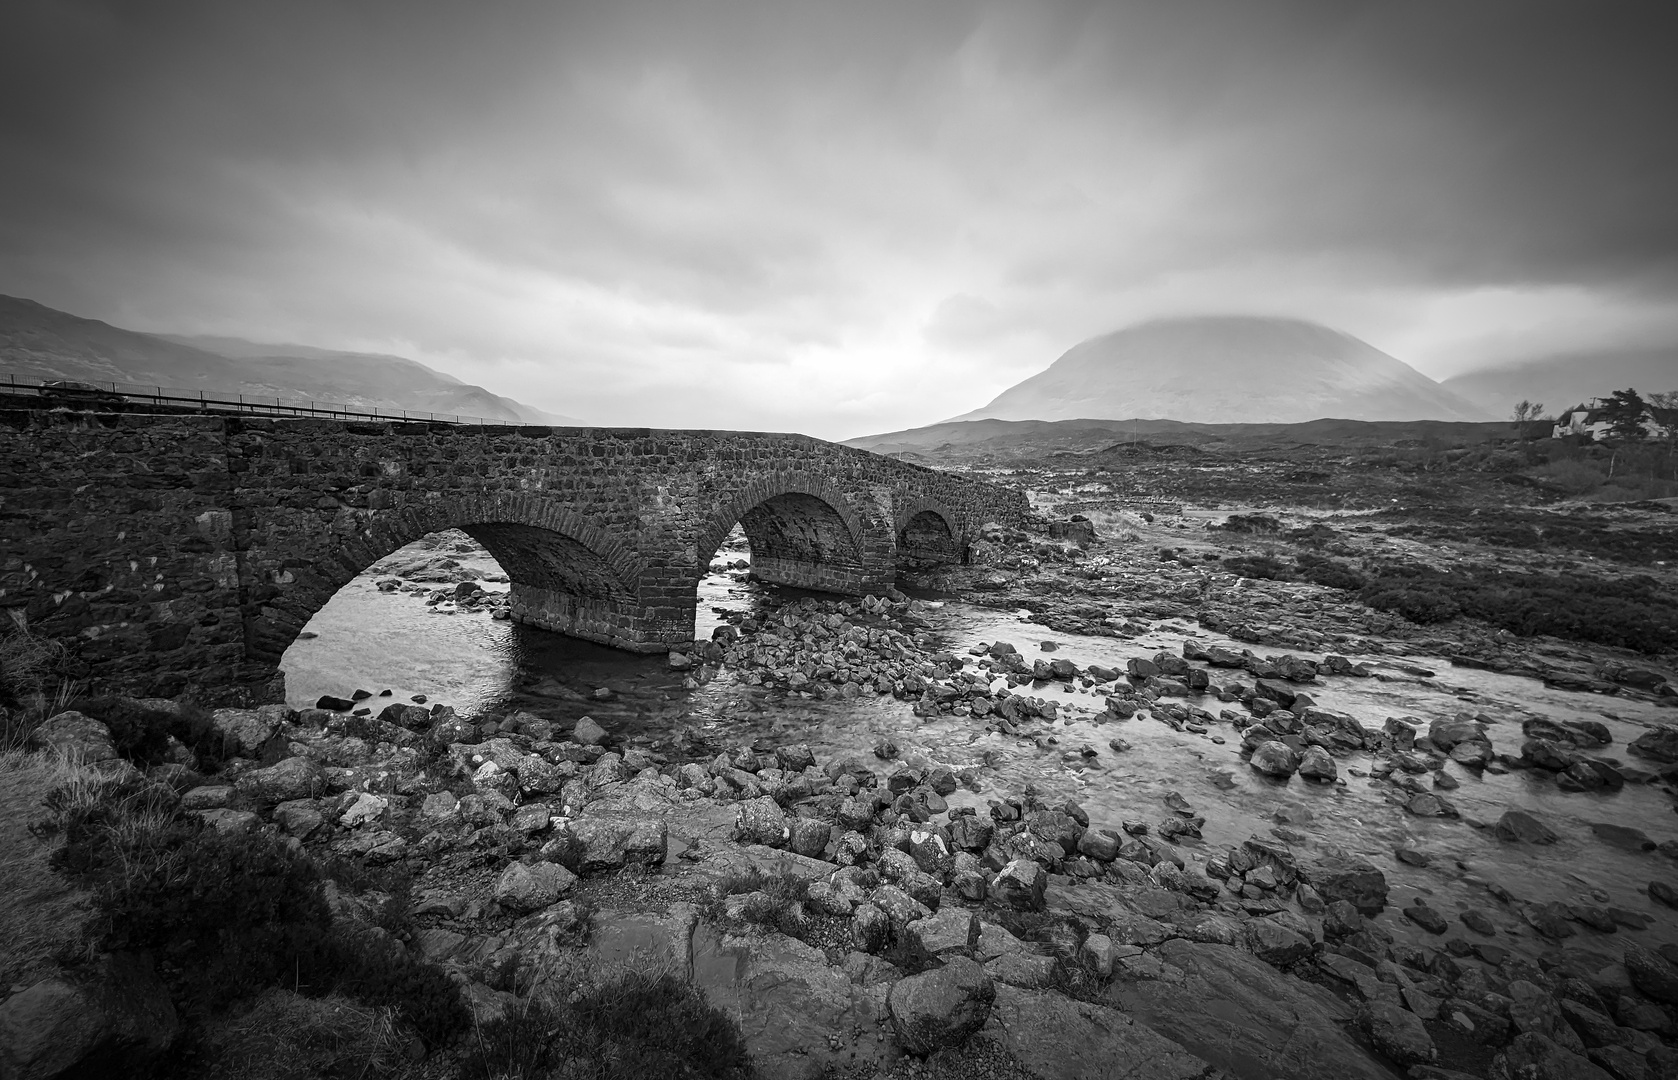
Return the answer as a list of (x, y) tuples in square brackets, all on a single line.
[(837, 217)]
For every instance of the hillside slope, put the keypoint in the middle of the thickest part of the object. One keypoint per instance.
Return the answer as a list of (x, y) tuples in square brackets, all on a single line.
[(968, 440), (1567, 379), (39, 342), (1227, 369)]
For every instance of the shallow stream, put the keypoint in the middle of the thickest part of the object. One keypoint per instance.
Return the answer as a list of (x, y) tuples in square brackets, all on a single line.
[(377, 641)]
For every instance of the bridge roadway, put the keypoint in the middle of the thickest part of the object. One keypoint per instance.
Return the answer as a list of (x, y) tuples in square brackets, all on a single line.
[(183, 553)]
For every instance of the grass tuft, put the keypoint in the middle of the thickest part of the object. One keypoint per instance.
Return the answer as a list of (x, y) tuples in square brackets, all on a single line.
[(615, 1024), (285, 1036), (42, 916)]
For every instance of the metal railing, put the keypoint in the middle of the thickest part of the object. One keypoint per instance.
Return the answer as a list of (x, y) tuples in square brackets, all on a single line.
[(87, 392)]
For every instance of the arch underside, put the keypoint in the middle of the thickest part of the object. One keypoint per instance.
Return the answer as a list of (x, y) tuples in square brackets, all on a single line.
[(798, 539), (560, 584), (927, 539), (558, 581)]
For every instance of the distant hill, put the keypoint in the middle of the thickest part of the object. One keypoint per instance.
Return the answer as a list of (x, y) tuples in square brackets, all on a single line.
[(42, 343), (1228, 369), (957, 440), (1564, 379)]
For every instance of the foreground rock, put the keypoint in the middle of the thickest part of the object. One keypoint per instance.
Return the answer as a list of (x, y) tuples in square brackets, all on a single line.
[(940, 1008), (1245, 1017), (1397, 1033), (108, 1019), (1057, 1038), (78, 737), (1535, 1057)]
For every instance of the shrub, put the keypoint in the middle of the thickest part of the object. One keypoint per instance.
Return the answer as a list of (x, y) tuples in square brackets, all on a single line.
[(140, 734), (784, 896), (285, 1036), (637, 1024), (1258, 566), (1631, 612), (379, 972), (1257, 524), (235, 905), (1328, 573), (232, 914), (1421, 604), (32, 686)]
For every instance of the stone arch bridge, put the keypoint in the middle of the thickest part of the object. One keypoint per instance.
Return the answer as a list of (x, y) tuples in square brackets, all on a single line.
[(182, 553)]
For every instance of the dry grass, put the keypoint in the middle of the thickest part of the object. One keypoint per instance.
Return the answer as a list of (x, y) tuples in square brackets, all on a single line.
[(588, 1020), (31, 688), (41, 915), (284, 1036)]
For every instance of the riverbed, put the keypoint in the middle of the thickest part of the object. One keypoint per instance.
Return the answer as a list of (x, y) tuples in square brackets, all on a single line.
[(367, 639)]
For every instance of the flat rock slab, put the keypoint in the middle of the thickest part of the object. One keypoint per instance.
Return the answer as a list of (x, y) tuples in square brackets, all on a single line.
[(1058, 1038), (797, 1014), (723, 860), (1247, 1018)]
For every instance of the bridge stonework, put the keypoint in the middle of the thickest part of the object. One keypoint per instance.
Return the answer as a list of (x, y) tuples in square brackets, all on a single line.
[(183, 553)]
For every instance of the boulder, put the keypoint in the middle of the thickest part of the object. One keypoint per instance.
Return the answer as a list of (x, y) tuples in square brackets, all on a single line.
[(1430, 804), (1275, 944), (1350, 878), (761, 821), (522, 889), (1027, 970), (1429, 919), (870, 928), (1520, 827), (1533, 1057), (293, 778), (1397, 1034), (1021, 884), (77, 736), (1475, 755), (106, 1019), (1315, 764), (243, 731), (1532, 1009), (941, 1008), (299, 817), (1650, 972), (808, 836), (1275, 759), (208, 797), (900, 908), (1548, 754), (609, 843), (953, 930), (1659, 743), (588, 732), (230, 822), (1446, 734)]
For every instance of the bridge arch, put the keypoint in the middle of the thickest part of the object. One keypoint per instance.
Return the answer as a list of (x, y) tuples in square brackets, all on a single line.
[(802, 529), (568, 573), (928, 532)]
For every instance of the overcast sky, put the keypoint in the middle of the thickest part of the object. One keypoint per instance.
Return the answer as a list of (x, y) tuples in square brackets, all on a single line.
[(841, 217)]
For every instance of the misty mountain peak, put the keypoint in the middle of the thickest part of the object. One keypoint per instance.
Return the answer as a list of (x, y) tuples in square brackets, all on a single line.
[(1227, 369)]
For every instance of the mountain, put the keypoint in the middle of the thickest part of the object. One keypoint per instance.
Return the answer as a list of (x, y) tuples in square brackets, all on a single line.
[(1228, 369), (39, 342), (1562, 380), (972, 440)]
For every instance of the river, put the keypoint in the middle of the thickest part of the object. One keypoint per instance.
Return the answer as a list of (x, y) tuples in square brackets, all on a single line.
[(377, 641)]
